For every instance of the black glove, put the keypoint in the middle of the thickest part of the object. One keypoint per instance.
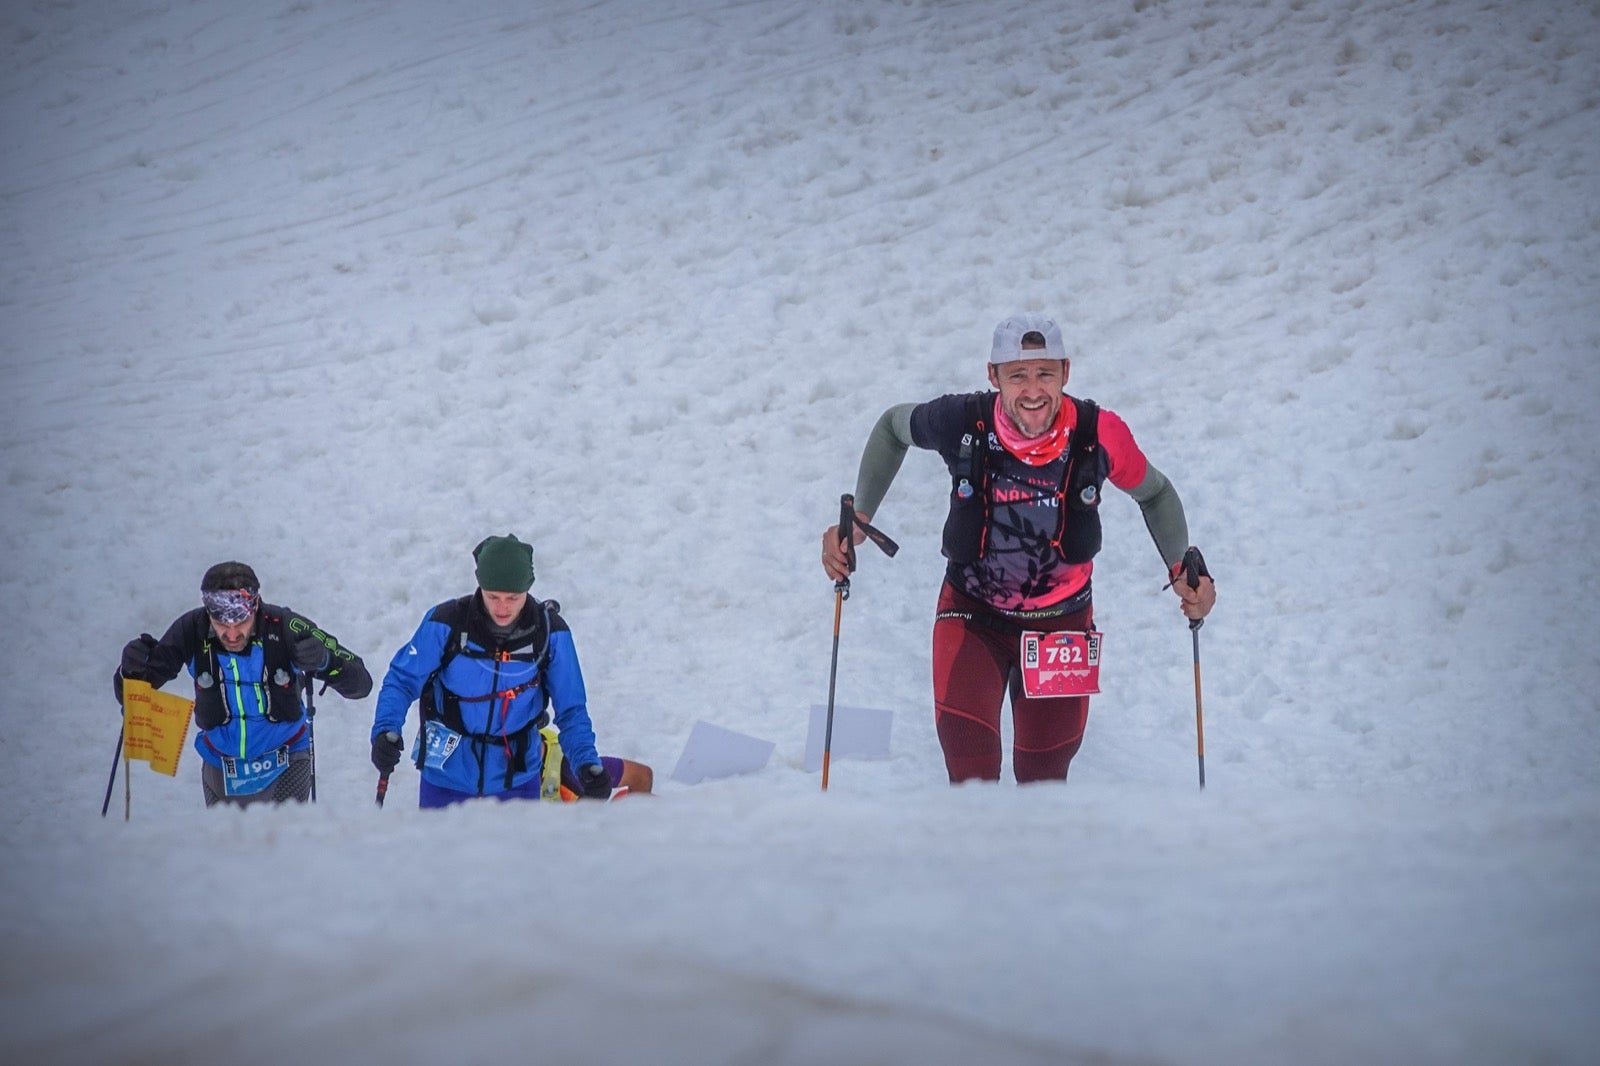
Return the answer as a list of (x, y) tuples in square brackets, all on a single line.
[(596, 782), (136, 659), (135, 663), (310, 655), (386, 752)]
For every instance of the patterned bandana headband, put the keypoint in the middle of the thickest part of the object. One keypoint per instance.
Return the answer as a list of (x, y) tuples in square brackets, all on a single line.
[(230, 606)]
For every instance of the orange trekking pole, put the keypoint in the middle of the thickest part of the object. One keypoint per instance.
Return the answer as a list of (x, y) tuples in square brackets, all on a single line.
[(841, 592), (1194, 567), (848, 524)]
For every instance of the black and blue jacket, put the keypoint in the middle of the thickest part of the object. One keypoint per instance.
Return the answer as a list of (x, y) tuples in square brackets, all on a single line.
[(249, 704)]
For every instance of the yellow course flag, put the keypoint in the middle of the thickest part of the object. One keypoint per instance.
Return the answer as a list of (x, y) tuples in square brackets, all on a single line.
[(154, 726)]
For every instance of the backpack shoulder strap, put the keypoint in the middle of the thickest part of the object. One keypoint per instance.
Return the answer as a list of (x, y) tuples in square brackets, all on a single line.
[(1086, 435), (974, 446), (1084, 468), (453, 613), (282, 628)]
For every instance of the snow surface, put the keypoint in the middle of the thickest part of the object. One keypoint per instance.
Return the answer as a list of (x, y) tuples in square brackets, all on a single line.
[(339, 288)]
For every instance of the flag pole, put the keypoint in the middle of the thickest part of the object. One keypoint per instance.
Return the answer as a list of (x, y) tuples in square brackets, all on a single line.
[(127, 785), (112, 780)]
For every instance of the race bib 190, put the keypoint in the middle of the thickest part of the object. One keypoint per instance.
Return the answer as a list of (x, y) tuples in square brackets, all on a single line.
[(1061, 664), (246, 777)]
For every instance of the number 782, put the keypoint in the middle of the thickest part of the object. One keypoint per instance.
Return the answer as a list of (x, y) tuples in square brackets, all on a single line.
[(1063, 654)]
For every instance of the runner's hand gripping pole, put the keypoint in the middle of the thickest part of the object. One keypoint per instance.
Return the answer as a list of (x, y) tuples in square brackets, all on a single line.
[(392, 741), (849, 522)]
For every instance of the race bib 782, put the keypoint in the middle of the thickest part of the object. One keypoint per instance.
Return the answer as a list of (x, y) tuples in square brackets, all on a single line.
[(1061, 664)]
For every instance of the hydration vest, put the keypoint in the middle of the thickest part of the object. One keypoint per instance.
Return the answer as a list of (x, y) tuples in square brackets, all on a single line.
[(471, 637), (1077, 536), (277, 678)]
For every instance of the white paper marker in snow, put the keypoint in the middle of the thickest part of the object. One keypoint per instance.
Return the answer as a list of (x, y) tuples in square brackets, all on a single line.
[(858, 733), (712, 751)]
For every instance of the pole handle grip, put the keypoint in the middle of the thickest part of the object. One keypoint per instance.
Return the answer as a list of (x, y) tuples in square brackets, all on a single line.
[(383, 779), (847, 530), (1194, 568), (849, 522)]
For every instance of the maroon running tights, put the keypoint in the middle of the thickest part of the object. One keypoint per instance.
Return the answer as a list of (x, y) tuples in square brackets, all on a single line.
[(973, 666)]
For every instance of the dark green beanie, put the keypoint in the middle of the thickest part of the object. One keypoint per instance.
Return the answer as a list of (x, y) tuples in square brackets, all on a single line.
[(505, 564)]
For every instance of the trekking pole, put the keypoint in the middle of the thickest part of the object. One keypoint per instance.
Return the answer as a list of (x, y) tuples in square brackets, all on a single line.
[(311, 733), (848, 524), (383, 778), (1194, 567), (841, 592), (112, 780)]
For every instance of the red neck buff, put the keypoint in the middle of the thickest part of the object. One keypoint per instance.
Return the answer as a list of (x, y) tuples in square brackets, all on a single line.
[(1035, 451)]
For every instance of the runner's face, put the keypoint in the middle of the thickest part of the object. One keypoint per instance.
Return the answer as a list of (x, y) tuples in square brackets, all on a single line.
[(1030, 392), (235, 636), (504, 607)]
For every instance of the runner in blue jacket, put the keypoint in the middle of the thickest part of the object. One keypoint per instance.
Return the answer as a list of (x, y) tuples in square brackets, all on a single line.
[(248, 660), (488, 670)]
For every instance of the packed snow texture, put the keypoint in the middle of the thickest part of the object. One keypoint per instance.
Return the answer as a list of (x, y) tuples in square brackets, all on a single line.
[(340, 288)]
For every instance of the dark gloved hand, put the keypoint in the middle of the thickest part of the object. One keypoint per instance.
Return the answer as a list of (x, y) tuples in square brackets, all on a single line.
[(596, 782), (386, 752), (136, 659), (310, 655)]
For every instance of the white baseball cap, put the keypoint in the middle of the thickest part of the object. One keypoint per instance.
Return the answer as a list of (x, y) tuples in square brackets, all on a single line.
[(1009, 333)]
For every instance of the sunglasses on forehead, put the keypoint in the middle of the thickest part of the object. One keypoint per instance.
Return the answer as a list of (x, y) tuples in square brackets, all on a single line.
[(230, 606)]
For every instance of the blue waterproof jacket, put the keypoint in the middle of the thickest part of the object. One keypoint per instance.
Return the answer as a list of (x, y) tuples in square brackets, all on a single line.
[(246, 687), (484, 696)]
